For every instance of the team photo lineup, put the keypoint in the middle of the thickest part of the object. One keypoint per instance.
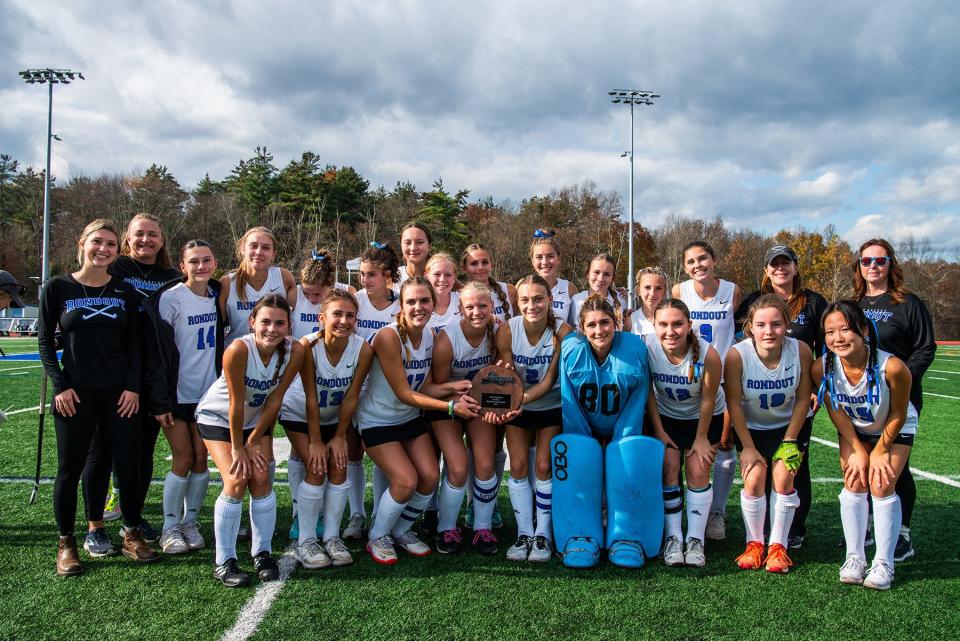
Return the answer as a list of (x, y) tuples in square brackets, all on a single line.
[(625, 424)]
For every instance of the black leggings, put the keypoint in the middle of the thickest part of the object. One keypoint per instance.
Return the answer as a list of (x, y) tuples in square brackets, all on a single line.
[(96, 473), (119, 438)]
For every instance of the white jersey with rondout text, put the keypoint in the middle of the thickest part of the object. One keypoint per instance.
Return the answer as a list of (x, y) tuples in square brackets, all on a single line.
[(712, 319), (332, 382), (370, 319), (576, 304), (259, 381), (769, 394), (467, 359), (561, 298), (678, 396), (194, 322), (305, 317), (641, 326), (532, 362), (379, 405), (452, 315), (238, 311), (868, 409)]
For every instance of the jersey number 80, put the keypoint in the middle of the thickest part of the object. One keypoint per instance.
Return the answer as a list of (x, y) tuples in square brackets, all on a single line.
[(608, 395)]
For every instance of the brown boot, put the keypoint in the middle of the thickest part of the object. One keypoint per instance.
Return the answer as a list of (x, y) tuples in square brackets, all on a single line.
[(136, 548), (68, 561)]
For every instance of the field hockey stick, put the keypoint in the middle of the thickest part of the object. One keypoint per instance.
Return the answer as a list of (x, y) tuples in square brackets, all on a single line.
[(43, 414)]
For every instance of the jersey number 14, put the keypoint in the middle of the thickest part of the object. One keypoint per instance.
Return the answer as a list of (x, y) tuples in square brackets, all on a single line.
[(207, 338)]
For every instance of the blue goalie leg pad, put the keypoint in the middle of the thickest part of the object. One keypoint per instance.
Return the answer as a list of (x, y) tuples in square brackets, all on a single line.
[(581, 553), (627, 554), (635, 492), (577, 463)]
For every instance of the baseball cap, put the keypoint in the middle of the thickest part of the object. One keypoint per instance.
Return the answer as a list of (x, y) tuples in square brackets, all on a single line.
[(779, 250), (10, 285)]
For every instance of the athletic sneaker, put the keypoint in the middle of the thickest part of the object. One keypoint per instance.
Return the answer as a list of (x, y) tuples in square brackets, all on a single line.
[(338, 553), (778, 560), (904, 549), (409, 543), (382, 551), (111, 509), (429, 522), (795, 541), (172, 541), (497, 520), (97, 543), (294, 533), (879, 577), (312, 555), (673, 552), (468, 516), (229, 574), (695, 556), (541, 551), (266, 567), (191, 533), (485, 542), (448, 541), (716, 527), (354, 529), (520, 550), (867, 540), (853, 570), (752, 557)]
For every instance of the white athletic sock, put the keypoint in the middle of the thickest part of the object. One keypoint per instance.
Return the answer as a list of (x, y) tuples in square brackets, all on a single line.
[(197, 485), (786, 506), (522, 501), (905, 532), (484, 500), (311, 505), (698, 509), (296, 472), (887, 518), (451, 498), (263, 520), (544, 504), (500, 464), (174, 488), (415, 507), (357, 477), (673, 512), (226, 524), (380, 485), (754, 510), (724, 468), (388, 511), (333, 506), (854, 514)]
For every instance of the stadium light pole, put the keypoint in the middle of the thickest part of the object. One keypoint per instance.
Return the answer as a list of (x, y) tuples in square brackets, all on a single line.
[(631, 97)]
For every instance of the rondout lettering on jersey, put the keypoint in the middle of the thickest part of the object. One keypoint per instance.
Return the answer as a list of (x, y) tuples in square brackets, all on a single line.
[(704, 315), (418, 363), (879, 315), (782, 383), (308, 318), (864, 399), (471, 362), (245, 305), (197, 319), (334, 382), (85, 303), (533, 360), (139, 283), (369, 323), (258, 385), (676, 379)]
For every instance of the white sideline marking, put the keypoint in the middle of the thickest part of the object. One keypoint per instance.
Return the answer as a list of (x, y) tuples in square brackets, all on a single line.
[(956, 398), (254, 610), (937, 378), (25, 409), (19, 368), (922, 474), (943, 371)]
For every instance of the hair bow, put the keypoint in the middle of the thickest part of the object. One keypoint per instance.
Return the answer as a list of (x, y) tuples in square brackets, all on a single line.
[(377, 245), (316, 256), (543, 234)]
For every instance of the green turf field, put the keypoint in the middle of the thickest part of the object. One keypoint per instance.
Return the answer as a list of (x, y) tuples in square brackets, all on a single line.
[(469, 597)]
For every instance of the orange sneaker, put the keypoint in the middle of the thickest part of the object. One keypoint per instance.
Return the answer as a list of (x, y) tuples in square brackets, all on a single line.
[(752, 557), (778, 560)]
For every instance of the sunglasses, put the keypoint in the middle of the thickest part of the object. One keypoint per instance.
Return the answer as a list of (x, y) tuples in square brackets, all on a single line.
[(879, 261)]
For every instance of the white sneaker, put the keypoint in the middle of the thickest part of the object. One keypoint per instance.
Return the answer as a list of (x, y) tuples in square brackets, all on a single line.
[(695, 556), (191, 533), (716, 527), (312, 555), (172, 542), (409, 543), (354, 529), (879, 577), (338, 552), (381, 550), (853, 570), (520, 550), (673, 552), (541, 551)]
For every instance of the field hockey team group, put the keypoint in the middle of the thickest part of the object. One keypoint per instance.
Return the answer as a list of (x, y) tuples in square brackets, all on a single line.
[(150, 345)]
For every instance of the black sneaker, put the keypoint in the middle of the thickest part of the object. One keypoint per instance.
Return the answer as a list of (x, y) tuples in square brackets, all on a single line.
[(97, 543), (267, 569), (448, 541), (795, 541), (867, 540), (430, 520), (904, 549), (485, 543), (230, 575)]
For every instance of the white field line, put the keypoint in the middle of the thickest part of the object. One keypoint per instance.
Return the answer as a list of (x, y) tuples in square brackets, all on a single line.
[(937, 378), (946, 480), (25, 409), (944, 371), (254, 610), (956, 398), (16, 367)]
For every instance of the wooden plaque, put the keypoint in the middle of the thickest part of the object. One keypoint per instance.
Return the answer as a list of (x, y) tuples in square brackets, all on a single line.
[(497, 389)]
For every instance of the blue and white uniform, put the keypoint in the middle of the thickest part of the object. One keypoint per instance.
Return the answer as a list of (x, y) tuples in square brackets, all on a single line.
[(238, 311), (370, 319), (769, 394), (467, 359), (561, 298), (379, 405), (194, 322), (640, 326), (531, 362), (712, 319), (677, 395), (576, 304), (332, 382), (868, 409), (452, 315), (305, 317), (501, 308)]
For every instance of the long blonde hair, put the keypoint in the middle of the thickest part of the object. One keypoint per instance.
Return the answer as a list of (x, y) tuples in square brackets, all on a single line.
[(482, 290), (163, 258), (100, 224), (402, 330), (242, 276)]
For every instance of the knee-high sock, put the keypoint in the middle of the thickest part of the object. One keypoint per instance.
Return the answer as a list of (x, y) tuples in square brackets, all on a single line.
[(854, 514), (388, 511), (754, 510), (263, 520), (226, 523), (413, 510), (451, 498), (174, 489), (357, 476), (484, 500), (380, 485), (786, 506), (698, 508), (907, 491), (333, 505), (544, 505), (311, 505), (197, 485), (673, 512), (522, 501), (296, 472), (887, 517), (724, 468)]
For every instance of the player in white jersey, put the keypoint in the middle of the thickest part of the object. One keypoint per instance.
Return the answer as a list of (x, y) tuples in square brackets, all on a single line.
[(253, 279), (441, 271), (534, 344), (712, 302), (601, 276), (767, 383), (415, 240), (545, 257), (235, 418), (869, 403), (394, 433), (686, 413), (477, 262), (652, 288)]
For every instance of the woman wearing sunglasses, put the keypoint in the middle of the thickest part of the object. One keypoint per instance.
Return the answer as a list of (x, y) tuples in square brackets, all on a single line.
[(905, 329)]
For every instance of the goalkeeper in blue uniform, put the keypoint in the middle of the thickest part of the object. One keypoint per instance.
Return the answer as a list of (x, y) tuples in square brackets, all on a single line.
[(605, 381)]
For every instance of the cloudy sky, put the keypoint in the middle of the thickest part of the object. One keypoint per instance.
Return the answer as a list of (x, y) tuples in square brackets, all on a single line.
[(772, 114)]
